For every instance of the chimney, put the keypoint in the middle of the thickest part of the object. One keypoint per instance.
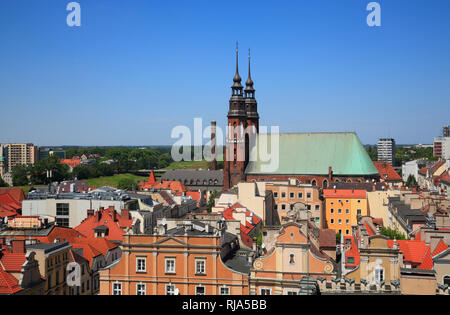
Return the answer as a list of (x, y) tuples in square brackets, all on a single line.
[(125, 214), (90, 213), (18, 246), (330, 174), (213, 146)]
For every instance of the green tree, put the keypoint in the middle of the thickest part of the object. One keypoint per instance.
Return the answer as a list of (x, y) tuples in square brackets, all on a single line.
[(338, 238), (411, 181), (20, 175), (392, 234), (211, 201), (3, 183)]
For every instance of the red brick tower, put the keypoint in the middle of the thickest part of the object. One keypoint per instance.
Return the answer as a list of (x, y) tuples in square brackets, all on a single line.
[(235, 158)]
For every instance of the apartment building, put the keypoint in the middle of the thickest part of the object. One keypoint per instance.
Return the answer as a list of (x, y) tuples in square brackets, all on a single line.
[(288, 194), (386, 150), (342, 208), (192, 258), (19, 153), (441, 147)]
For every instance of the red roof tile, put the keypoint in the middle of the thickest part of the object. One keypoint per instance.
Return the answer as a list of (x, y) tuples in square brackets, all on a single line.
[(8, 283), (345, 193), (386, 171), (441, 246)]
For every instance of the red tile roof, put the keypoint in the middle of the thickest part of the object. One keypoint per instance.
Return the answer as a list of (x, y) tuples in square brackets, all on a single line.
[(109, 218), (13, 261), (415, 252), (441, 246), (8, 283), (353, 252), (228, 214), (16, 193), (386, 171), (345, 193)]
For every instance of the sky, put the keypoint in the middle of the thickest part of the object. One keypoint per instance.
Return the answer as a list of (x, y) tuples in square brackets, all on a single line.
[(134, 70)]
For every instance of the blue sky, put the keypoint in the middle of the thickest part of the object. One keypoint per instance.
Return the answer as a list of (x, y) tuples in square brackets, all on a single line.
[(136, 69)]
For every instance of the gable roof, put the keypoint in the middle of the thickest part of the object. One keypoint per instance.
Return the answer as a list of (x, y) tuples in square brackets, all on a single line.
[(386, 171), (314, 153), (8, 283)]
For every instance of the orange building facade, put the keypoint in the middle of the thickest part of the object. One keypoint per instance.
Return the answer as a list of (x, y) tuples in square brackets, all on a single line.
[(342, 207), (172, 264)]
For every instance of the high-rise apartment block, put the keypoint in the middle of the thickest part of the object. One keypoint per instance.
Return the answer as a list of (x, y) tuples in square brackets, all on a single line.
[(446, 131), (386, 150), (13, 154)]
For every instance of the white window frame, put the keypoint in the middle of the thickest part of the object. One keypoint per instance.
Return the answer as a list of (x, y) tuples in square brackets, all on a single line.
[(377, 275), (138, 265), (174, 265), (199, 262), (170, 289), (295, 292), (117, 288), (140, 290), (224, 288)]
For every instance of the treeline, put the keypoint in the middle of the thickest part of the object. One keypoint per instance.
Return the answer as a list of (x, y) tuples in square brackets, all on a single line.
[(404, 154), (120, 160)]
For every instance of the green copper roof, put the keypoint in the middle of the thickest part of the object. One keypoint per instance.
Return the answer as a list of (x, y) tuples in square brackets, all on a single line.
[(313, 153)]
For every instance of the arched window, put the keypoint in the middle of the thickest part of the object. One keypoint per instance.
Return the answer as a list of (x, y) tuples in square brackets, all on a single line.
[(292, 259), (325, 183), (314, 182)]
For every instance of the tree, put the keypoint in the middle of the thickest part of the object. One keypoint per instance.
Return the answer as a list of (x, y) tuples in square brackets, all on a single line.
[(20, 175), (338, 238), (392, 234), (211, 201), (3, 183), (411, 181)]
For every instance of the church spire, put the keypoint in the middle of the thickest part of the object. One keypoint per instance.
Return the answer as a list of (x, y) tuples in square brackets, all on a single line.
[(249, 90), (237, 86)]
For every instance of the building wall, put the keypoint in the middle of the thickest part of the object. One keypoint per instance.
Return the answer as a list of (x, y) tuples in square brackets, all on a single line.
[(77, 208), (342, 204), (417, 285), (288, 195), (156, 249)]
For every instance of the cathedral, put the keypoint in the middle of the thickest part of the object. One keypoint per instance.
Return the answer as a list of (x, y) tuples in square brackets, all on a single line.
[(319, 159)]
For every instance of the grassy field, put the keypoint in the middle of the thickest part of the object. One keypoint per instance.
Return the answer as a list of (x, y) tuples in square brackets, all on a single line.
[(113, 181), (189, 165)]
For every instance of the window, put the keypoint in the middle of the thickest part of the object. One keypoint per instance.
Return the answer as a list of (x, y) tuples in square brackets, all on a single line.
[(346, 201), (347, 222), (317, 207), (200, 290), (350, 260), (283, 195), (275, 194), (340, 221), (140, 289), (292, 259), (331, 210), (117, 288), (265, 291), (358, 212), (200, 267), (314, 183), (140, 264), (347, 232), (300, 195), (308, 195), (170, 265), (339, 210), (62, 209), (275, 207), (446, 280), (291, 195), (379, 274), (224, 291), (332, 221), (283, 207), (347, 211), (62, 222), (170, 289), (291, 292)]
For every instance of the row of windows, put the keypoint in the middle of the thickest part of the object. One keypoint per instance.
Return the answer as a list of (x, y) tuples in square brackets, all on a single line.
[(347, 211), (141, 289), (292, 195), (347, 221), (291, 206), (170, 265), (346, 201)]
